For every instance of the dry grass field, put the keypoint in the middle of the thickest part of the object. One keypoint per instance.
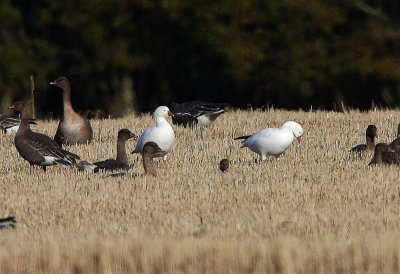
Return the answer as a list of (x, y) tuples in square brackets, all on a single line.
[(315, 210)]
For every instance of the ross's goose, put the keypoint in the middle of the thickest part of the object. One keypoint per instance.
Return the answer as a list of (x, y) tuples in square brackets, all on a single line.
[(370, 135), (162, 133), (73, 128), (273, 141), (383, 154), (120, 163), (39, 149), (196, 113)]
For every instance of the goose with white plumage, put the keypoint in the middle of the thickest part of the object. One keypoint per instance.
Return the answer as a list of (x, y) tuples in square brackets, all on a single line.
[(162, 133), (273, 141)]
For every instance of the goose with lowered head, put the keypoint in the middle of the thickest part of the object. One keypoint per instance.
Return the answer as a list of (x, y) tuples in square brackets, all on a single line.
[(273, 141)]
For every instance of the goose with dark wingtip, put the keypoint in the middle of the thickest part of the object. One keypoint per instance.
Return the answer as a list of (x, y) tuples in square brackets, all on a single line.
[(196, 113), (73, 128), (370, 134), (383, 154), (39, 149), (8, 222), (10, 123), (120, 163)]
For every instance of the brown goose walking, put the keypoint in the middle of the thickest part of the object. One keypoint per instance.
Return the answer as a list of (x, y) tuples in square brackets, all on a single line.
[(370, 134), (383, 154), (120, 163), (73, 128), (39, 149)]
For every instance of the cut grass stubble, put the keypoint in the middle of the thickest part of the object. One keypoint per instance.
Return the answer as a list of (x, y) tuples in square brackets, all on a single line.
[(315, 209)]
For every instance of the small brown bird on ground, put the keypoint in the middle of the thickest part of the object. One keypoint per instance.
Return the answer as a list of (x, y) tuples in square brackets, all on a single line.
[(224, 165)]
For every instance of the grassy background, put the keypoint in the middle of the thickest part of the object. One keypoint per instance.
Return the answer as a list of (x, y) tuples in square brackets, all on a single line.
[(315, 210)]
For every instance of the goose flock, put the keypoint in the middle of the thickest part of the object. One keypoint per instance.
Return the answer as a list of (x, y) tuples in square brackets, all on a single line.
[(387, 154), (73, 129), (157, 141)]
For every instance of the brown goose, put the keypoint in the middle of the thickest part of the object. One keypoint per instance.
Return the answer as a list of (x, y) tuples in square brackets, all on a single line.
[(150, 151), (7, 222), (39, 149), (370, 135), (73, 128), (395, 144), (383, 154), (224, 165), (120, 163)]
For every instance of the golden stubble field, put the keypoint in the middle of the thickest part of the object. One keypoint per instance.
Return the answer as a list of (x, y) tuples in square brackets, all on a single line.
[(315, 210)]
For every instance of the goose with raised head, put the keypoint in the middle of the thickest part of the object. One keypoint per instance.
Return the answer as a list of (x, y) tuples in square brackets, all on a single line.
[(162, 133), (120, 163), (370, 134), (73, 128)]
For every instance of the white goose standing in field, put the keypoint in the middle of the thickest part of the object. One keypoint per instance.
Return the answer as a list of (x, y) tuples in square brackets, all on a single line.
[(273, 141), (162, 133)]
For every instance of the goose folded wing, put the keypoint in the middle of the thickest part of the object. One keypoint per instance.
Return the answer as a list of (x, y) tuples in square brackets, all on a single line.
[(47, 147), (198, 108)]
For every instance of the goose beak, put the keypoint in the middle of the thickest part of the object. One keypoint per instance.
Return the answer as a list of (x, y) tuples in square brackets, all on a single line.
[(170, 113), (53, 83), (299, 139), (12, 107), (391, 149)]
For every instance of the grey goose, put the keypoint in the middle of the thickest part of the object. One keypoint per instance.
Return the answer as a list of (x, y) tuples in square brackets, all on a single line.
[(39, 149)]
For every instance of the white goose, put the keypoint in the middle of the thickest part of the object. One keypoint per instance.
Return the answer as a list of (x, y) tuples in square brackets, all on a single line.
[(273, 141), (162, 133)]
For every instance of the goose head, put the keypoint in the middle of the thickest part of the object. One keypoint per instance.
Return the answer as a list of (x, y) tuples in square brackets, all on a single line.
[(162, 112), (295, 128), (61, 82), (125, 134), (371, 131), (18, 106), (152, 150)]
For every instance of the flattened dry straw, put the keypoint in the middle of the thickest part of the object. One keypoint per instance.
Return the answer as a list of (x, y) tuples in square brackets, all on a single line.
[(315, 210)]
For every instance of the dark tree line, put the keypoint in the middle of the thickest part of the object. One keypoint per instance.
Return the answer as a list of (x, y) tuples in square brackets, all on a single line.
[(124, 55)]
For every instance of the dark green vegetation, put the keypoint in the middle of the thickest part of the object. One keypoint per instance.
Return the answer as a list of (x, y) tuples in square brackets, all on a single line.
[(122, 55)]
